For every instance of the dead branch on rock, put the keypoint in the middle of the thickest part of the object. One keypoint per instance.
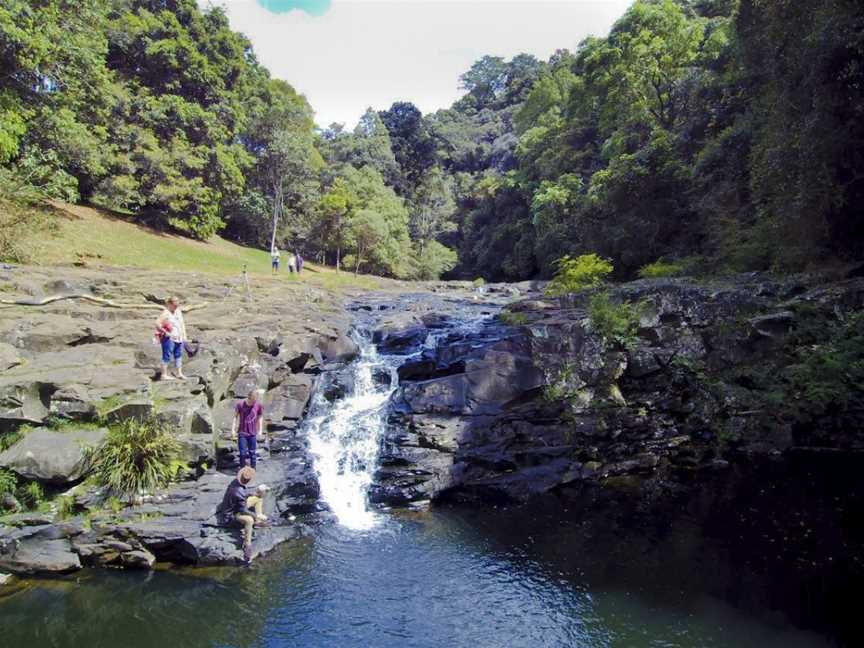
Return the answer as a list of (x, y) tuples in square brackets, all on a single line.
[(108, 303)]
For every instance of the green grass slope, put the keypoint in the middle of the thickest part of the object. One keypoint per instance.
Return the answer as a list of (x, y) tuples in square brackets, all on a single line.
[(97, 237)]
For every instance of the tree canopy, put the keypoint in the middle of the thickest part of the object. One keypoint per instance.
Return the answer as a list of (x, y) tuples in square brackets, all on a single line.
[(716, 134)]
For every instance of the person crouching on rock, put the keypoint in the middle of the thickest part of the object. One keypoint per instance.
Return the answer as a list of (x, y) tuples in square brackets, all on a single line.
[(171, 332), (248, 425), (244, 507)]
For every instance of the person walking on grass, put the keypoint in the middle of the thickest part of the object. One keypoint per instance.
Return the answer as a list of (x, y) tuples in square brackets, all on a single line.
[(171, 335), (292, 263), (298, 260), (248, 425), (274, 260), (244, 507)]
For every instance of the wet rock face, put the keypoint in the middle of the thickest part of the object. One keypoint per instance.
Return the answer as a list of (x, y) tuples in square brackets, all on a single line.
[(550, 403)]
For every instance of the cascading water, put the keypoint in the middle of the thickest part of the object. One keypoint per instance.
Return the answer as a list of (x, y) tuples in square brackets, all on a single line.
[(345, 435)]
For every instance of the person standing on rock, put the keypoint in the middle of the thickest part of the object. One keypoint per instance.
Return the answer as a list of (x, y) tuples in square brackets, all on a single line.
[(239, 506), (171, 332), (248, 425)]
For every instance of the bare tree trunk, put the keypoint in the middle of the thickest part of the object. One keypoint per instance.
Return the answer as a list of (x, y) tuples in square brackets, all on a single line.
[(359, 260), (277, 210), (338, 256)]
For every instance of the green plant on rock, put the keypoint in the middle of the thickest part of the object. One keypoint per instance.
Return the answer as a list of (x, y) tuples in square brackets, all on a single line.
[(660, 269), (31, 495), (8, 439), (479, 282), (106, 406), (65, 507), (571, 275), (8, 482), (618, 324), (138, 456), (115, 505), (830, 375), (558, 388), (514, 319)]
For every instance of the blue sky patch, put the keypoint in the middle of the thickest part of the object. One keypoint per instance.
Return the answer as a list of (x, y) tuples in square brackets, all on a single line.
[(312, 7)]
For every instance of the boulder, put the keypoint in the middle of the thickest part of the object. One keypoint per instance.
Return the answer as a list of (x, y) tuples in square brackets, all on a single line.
[(338, 348), (197, 449), (773, 325), (186, 413), (287, 403), (219, 363), (25, 402), (51, 456), (28, 552), (73, 402), (253, 376), (400, 332)]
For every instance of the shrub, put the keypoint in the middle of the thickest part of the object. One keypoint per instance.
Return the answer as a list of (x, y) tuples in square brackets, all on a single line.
[(617, 323), (8, 482), (558, 387), (586, 271), (479, 282), (65, 507), (8, 439), (138, 456), (31, 495), (514, 319), (829, 376), (660, 269)]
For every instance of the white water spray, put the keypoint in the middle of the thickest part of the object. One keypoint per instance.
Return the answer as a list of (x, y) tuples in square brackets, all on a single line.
[(345, 437)]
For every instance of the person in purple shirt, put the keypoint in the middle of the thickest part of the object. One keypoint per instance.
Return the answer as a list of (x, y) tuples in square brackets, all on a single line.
[(248, 426)]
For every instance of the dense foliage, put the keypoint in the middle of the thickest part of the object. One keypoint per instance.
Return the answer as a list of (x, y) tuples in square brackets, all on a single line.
[(717, 134), (729, 131), (138, 457)]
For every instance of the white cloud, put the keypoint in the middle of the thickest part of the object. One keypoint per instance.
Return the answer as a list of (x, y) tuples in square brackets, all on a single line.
[(373, 52)]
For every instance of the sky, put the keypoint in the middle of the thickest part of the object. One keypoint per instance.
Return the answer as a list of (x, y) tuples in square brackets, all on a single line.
[(348, 55)]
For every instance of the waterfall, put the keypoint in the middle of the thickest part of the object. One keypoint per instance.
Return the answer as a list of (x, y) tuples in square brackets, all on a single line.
[(345, 435)]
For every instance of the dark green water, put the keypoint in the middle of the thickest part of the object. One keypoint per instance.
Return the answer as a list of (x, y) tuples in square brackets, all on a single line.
[(446, 578)]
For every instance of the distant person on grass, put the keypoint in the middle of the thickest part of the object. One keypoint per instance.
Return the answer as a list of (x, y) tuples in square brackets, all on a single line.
[(245, 507), (171, 335), (299, 261), (292, 263), (274, 260), (248, 425)]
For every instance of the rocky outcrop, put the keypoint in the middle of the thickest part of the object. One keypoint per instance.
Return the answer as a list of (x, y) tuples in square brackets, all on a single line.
[(508, 412), (74, 363)]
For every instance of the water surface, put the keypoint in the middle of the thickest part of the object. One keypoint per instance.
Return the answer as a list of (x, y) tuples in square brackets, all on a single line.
[(424, 579)]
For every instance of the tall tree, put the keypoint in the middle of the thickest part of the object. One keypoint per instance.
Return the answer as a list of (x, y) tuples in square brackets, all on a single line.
[(412, 144)]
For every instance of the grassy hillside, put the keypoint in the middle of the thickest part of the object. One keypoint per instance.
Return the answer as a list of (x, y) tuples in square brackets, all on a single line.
[(98, 237)]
